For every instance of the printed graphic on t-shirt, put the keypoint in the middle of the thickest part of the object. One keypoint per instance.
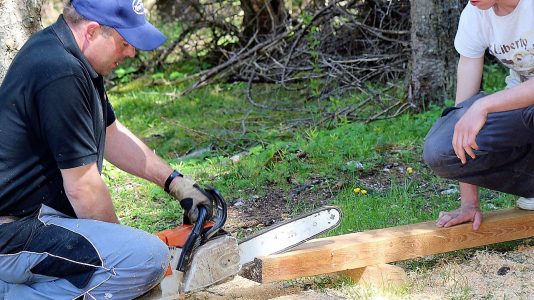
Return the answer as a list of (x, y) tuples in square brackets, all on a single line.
[(517, 55), (510, 38)]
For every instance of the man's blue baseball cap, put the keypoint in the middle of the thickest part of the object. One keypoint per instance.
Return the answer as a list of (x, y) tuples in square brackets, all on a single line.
[(125, 16)]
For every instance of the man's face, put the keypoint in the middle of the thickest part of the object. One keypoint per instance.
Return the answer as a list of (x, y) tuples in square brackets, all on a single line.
[(108, 49)]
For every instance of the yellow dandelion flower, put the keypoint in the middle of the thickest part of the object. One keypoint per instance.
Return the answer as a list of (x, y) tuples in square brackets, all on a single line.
[(409, 170), (364, 192), (357, 190)]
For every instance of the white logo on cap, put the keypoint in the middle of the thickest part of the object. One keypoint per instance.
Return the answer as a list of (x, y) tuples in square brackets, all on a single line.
[(138, 7)]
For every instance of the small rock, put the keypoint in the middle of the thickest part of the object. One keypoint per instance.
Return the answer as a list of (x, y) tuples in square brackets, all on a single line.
[(287, 285), (236, 158), (386, 170), (450, 191), (503, 271), (338, 185), (355, 164), (238, 203)]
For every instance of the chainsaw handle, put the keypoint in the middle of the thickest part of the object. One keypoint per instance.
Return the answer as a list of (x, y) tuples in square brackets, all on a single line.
[(193, 238), (197, 237), (219, 217)]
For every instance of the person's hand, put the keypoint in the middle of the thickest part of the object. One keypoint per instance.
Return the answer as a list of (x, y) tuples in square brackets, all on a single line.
[(191, 196), (461, 215), (466, 130)]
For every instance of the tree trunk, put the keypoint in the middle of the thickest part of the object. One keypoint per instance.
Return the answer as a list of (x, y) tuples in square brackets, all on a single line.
[(50, 10), (18, 20), (434, 59), (262, 17)]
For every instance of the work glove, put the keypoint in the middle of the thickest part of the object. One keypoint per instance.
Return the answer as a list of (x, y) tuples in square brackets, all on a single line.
[(191, 196)]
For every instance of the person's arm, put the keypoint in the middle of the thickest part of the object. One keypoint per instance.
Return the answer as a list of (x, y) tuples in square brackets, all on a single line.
[(468, 127), (469, 78), (130, 154), (88, 194)]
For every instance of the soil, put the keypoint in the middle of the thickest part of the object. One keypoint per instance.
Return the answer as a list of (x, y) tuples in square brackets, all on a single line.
[(246, 216)]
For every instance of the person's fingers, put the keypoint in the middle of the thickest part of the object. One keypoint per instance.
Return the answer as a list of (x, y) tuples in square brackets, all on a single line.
[(459, 219), (457, 145), (474, 144), (477, 220), (443, 218), (471, 144), (466, 149), (470, 151)]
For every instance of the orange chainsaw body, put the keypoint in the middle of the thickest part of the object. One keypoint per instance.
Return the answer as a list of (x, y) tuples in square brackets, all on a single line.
[(176, 237)]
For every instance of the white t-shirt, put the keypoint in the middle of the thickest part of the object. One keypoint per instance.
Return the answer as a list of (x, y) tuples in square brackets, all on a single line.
[(510, 38)]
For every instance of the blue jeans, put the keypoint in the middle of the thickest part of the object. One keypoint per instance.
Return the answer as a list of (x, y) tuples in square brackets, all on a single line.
[(505, 159), (53, 256)]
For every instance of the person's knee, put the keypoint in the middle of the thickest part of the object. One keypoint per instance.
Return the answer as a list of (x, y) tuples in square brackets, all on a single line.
[(144, 262), (154, 258), (438, 159)]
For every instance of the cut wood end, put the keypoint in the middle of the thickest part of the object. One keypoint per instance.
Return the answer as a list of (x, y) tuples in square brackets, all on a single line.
[(253, 271)]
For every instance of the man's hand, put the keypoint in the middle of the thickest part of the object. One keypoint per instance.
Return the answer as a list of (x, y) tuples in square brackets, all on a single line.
[(190, 196), (466, 130), (461, 215)]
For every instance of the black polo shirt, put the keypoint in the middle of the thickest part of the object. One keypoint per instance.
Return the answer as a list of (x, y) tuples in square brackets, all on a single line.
[(53, 115)]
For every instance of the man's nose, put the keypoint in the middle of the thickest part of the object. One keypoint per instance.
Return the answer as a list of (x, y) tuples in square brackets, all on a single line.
[(129, 51)]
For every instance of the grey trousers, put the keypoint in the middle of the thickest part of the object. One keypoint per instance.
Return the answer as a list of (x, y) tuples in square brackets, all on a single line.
[(505, 160), (52, 256)]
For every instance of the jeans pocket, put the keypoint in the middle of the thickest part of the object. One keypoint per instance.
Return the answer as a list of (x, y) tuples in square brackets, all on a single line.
[(447, 110)]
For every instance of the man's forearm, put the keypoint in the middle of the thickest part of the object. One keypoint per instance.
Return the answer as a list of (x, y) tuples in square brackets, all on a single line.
[(88, 194), (130, 154)]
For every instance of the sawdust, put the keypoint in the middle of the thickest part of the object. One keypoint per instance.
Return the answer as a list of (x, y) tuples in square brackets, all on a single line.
[(241, 288), (487, 275), (482, 275)]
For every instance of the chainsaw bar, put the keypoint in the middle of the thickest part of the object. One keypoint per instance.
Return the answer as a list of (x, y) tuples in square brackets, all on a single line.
[(288, 234)]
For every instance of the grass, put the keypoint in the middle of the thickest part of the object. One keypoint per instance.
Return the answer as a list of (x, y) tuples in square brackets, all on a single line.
[(373, 157)]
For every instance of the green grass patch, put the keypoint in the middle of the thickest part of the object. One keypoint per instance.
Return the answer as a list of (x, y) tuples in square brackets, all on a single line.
[(373, 157)]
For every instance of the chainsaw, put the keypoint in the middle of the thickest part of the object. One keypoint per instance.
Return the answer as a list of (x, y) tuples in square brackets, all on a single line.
[(203, 254)]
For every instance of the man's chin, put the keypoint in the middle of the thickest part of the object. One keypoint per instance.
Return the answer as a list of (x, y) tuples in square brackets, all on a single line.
[(104, 72)]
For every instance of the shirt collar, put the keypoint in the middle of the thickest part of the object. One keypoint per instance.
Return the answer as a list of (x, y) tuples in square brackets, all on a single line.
[(64, 33)]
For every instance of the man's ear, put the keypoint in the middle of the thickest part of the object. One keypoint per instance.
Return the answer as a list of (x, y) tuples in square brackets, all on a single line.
[(92, 30)]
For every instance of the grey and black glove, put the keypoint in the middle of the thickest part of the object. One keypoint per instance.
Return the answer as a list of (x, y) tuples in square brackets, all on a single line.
[(191, 196)]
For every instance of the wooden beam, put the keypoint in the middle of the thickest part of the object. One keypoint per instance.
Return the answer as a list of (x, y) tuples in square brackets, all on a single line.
[(374, 247)]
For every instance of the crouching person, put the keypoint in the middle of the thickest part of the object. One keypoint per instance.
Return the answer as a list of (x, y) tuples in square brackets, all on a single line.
[(488, 140)]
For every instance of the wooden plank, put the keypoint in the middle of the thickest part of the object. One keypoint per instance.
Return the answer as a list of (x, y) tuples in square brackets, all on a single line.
[(374, 247)]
